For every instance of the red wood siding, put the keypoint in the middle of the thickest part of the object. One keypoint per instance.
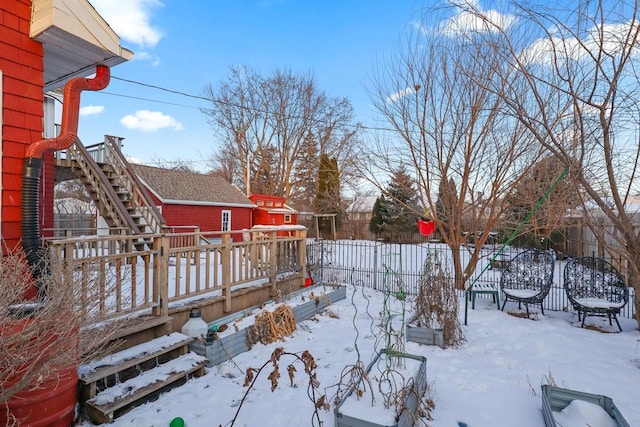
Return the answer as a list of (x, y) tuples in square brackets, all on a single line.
[(262, 216), (207, 218), (21, 63)]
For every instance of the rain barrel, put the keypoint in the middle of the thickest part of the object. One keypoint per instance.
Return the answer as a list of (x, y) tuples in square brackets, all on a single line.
[(52, 403)]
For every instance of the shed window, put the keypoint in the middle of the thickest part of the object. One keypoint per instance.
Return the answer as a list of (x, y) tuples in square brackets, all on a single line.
[(260, 202), (226, 221), (269, 203), (287, 218)]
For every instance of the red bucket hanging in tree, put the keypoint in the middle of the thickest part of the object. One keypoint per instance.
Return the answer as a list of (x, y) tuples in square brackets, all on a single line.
[(426, 227)]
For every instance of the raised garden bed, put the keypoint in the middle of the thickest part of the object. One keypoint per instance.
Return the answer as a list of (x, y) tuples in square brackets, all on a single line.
[(555, 399), (304, 304), (425, 336), (355, 409)]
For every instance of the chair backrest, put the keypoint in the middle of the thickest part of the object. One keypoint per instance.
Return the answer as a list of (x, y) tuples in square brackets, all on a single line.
[(530, 269), (592, 277)]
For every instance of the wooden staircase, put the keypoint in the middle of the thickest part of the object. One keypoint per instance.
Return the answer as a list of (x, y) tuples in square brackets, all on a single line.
[(114, 384), (116, 191)]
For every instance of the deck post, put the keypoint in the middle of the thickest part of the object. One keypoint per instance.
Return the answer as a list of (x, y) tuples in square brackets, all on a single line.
[(225, 259), (161, 245), (302, 252), (273, 259)]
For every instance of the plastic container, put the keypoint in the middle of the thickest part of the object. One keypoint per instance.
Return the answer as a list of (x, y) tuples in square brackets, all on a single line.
[(195, 326)]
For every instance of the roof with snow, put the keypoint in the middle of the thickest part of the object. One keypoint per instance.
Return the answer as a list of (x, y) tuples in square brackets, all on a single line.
[(362, 204)]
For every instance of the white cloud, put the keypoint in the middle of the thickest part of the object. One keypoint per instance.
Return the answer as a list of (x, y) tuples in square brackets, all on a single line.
[(396, 96), (558, 47), (130, 19), (91, 110), (150, 121), (471, 18)]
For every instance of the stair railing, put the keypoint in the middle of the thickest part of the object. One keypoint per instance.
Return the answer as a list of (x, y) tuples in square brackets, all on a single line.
[(139, 196), (107, 200)]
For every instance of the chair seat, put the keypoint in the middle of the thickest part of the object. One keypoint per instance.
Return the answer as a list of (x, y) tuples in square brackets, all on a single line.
[(521, 293)]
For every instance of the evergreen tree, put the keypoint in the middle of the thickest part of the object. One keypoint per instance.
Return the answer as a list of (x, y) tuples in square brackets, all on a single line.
[(402, 204), (447, 199), (379, 216), (328, 200)]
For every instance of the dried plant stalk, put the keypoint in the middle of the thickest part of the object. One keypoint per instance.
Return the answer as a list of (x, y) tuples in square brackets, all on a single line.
[(436, 305)]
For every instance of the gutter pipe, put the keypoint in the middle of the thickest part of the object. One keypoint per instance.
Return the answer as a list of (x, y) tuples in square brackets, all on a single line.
[(32, 165)]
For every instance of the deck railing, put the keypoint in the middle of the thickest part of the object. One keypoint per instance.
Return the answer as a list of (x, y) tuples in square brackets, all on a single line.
[(118, 281)]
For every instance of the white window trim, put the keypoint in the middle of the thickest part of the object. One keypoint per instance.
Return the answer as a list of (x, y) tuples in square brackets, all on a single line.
[(222, 221)]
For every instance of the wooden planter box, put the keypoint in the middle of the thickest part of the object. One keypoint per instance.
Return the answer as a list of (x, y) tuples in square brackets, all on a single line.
[(556, 399), (225, 348), (425, 336), (411, 403)]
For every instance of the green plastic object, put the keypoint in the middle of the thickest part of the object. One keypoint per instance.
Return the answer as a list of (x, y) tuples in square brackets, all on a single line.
[(214, 328), (177, 422)]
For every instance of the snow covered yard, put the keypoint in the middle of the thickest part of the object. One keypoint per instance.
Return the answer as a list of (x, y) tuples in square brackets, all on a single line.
[(492, 380)]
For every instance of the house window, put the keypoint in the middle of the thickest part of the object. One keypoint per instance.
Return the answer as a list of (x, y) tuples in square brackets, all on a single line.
[(260, 203), (287, 218), (278, 204), (269, 203), (226, 221)]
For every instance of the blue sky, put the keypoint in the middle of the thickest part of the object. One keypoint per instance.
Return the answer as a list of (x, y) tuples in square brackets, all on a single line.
[(184, 45)]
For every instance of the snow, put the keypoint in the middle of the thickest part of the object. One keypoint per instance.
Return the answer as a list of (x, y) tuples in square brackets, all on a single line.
[(598, 303), (579, 413), (493, 379), (160, 373)]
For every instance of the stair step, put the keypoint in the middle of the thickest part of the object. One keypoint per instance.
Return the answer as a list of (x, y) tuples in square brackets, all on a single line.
[(115, 363), (103, 407)]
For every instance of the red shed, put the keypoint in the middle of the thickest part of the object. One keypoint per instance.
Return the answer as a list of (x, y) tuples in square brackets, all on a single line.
[(189, 199), (43, 44), (272, 210)]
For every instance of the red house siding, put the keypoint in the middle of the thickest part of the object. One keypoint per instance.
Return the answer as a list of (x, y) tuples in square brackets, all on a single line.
[(21, 63)]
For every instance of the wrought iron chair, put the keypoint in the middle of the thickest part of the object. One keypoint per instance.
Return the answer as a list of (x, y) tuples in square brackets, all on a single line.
[(595, 288), (527, 278)]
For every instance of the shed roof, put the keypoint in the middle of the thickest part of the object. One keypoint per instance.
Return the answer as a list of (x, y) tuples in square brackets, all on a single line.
[(183, 187)]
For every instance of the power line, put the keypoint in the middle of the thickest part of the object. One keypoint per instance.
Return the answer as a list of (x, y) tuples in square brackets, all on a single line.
[(219, 102)]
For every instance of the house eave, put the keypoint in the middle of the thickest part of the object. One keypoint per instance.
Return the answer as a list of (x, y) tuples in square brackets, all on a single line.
[(75, 39), (202, 203)]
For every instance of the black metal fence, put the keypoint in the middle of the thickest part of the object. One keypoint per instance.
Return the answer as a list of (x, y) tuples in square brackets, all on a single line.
[(396, 267)]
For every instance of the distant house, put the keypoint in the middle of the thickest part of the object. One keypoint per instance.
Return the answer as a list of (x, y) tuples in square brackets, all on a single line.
[(359, 214), (189, 199), (361, 209), (272, 210)]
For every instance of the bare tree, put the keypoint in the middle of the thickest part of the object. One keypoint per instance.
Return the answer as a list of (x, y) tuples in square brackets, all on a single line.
[(45, 337), (277, 127), (570, 76), (71, 197), (448, 129)]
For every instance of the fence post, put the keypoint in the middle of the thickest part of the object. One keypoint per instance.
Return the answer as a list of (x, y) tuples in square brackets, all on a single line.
[(273, 258), (161, 275), (321, 261), (225, 261), (302, 252), (375, 266)]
